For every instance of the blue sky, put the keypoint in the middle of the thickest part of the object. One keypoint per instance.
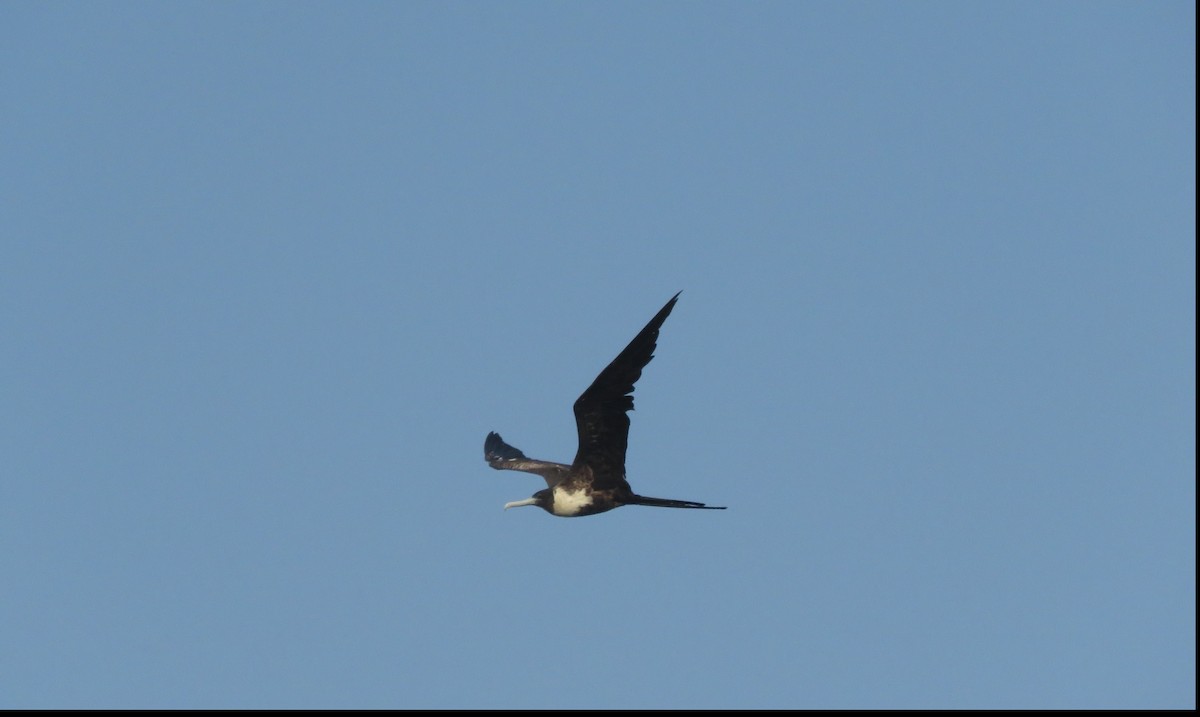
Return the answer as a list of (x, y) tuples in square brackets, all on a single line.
[(270, 272)]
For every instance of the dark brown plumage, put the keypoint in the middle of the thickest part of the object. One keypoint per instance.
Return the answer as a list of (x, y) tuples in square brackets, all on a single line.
[(595, 482)]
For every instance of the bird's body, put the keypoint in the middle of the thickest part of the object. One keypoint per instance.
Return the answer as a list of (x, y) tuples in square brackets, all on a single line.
[(595, 481)]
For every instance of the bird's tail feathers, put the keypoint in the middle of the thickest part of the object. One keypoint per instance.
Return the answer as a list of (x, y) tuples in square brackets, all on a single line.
[(668, 503)]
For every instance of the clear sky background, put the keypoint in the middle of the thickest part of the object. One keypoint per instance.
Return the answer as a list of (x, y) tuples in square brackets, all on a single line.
[(270, 272)]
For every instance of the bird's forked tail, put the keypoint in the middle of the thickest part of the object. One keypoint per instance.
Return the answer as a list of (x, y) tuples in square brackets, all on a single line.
[(668, 503)]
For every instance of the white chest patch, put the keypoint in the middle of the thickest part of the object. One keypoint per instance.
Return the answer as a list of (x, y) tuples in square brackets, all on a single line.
[(568, 504)]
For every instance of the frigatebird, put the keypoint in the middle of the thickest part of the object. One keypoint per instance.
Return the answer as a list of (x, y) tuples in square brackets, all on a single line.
[(595, 482)]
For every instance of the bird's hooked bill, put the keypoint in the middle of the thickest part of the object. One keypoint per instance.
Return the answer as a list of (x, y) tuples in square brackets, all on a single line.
[(519, 503)]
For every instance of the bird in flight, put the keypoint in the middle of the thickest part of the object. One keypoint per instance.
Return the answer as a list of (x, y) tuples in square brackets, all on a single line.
[(595, 482)]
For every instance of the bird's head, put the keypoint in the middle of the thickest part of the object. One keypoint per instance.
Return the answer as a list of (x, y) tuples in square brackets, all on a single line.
[(543, 499)]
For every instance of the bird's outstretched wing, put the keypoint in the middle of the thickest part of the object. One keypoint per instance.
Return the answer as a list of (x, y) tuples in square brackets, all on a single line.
[(502, 456), (600, 413)]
